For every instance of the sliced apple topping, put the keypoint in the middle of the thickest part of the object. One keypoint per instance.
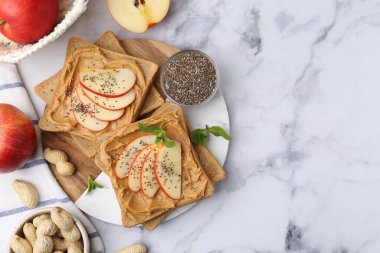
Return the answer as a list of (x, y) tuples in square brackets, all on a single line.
[(149, 185), (138, 15), (111, 103), (135, 168), (95, 110), (107, 82), (168, 170), (83, 117), (130, 151)]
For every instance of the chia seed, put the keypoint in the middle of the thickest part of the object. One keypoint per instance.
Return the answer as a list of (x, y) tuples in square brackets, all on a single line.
[(189, 77)]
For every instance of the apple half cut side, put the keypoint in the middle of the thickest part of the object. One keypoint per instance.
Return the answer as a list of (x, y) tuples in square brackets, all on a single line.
[(148, 182), (137, 16), (111, 83), (168, 170), (83, 117), (112, 104), (134, 181), (95, 110), (129, 153)]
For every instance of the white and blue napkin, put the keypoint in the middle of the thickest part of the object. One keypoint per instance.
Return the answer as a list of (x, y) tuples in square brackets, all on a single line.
[(35, 171)]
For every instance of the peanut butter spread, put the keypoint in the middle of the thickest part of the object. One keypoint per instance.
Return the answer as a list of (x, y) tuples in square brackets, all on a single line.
[(58, 115), (135, 206)]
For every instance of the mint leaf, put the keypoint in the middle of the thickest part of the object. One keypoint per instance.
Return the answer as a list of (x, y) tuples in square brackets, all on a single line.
[(199, 136), (160, 134), (218, 131), (92, 185), (151, 129), (168, 143)]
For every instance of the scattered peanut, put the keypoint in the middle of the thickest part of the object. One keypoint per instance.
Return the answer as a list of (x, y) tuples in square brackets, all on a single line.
[(71, 235), (55, 156), (62, 219), (60, 159), (30, 233), (57, 251), (74, 249), (37, 221), (65, 168), (134, 248), (26, 192), (20, 245), (47, 227), (44, 244)]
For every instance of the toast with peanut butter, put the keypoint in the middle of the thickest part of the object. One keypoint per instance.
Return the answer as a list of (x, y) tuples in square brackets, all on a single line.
[(108, 72), (212, 167), (45, 90), (137, 201)]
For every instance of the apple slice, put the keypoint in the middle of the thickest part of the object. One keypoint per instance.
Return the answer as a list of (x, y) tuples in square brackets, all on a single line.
[(135, 168), (107, 82), (149, 185), (129, 152), (98, 112), (138, 15), (168, 170), (83, 117), (112, 104)]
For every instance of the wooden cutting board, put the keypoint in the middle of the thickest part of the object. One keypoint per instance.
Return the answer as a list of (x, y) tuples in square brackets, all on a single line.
[(76, 184)]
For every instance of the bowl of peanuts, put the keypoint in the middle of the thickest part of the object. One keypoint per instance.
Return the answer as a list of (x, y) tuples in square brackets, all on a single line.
[(48, 230)]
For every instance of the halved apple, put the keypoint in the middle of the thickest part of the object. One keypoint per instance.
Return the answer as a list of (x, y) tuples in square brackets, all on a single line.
[(83, 117), (112, 104), (138, 15), (130, 151), (134, 182), (149, 185), (168, 170), (98, 112), (107, 82)]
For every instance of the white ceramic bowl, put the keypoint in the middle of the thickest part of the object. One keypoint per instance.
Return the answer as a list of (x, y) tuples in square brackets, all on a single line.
[(47, 210)]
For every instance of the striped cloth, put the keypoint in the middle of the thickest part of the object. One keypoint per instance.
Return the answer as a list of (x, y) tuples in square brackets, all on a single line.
[(35, 171)]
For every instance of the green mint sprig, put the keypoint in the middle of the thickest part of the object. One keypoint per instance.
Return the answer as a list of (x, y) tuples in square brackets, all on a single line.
[(160, 134), (200, 136), (92, 185)]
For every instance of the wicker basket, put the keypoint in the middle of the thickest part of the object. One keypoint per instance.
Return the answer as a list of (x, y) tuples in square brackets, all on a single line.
[(70, 11)]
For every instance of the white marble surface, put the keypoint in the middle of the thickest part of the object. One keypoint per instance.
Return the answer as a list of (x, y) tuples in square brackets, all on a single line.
[(302, 83)]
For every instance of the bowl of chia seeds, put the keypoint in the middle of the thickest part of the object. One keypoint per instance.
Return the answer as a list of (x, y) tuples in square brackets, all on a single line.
[(189, 77)]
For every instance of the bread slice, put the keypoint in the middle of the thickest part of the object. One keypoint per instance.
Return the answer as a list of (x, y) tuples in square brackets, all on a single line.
[(212, 167), (108, 40), (57, 116), (135, 207)]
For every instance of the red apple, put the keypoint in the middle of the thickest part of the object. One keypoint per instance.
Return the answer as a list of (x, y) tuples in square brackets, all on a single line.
[(138, 15), (26, 21), (17, 138)]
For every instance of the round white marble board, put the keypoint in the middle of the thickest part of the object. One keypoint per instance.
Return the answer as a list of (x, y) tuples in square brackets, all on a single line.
[(103, 204)]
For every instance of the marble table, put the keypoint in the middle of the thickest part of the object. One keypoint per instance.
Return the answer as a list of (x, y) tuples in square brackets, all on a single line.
[(302, 84)]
